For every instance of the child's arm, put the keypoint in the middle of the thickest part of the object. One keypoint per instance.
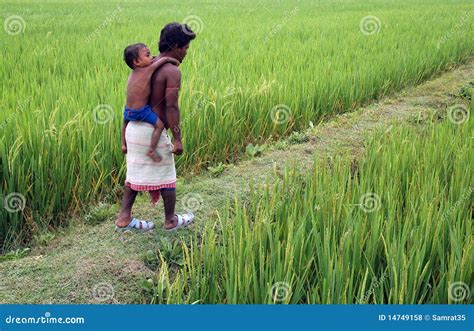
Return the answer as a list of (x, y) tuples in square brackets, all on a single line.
[(124, 143), (158, 63)]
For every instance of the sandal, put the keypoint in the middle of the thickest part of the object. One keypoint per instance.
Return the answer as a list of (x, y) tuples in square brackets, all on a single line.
[(137, 225), (183, 221)]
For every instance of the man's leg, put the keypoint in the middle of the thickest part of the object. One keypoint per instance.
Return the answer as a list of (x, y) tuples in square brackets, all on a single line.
[(125, 215), (169, 202)]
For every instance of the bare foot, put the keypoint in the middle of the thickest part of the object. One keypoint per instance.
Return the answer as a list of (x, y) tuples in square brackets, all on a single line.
[(171, 224), (122, 221), (153, 155)]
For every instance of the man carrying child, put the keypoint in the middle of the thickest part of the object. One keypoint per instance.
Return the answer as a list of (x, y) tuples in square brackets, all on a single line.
[(157, 176)]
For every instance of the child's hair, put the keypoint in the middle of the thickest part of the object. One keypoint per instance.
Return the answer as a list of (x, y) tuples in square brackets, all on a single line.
[(131, 53), (175, 34)]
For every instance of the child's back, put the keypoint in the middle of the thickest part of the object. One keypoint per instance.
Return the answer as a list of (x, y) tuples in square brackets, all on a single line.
[(138, 88)]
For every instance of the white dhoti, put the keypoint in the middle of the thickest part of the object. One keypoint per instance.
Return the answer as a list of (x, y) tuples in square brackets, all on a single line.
[(143, 174)]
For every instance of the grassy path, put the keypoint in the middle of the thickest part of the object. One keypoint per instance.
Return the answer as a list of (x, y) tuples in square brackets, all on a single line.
[(69, 267)]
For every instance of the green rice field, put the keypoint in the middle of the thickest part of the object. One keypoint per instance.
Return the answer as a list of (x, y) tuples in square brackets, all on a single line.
[(342, 234)]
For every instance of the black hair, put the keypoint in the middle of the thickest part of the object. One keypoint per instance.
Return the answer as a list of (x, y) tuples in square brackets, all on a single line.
[(131, 53), (175, 34)]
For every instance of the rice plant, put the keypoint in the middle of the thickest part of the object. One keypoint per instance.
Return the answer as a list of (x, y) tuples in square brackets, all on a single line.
[(257, 71), (398, 229)]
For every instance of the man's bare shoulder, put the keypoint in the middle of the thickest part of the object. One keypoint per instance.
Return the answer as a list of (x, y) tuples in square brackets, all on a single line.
[(169, 75), (167, 72), (170, 70)]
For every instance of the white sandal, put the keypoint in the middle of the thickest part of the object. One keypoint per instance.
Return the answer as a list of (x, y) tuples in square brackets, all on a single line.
[(137, 225), (183, 221)]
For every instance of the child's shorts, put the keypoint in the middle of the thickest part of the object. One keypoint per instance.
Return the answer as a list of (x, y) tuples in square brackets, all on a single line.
[(144, 114)]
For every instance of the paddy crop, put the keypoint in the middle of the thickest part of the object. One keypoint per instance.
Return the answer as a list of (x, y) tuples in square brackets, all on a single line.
[(257, 71), (394, 228)]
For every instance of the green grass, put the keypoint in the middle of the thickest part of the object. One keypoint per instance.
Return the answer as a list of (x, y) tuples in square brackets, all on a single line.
[(249, 58), (395, 227)]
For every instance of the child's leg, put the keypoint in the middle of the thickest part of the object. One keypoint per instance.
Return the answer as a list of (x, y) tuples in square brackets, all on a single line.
[(150, 117), (155, 138)]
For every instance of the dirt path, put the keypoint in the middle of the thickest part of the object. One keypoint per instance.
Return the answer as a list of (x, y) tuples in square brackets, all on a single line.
[(84, 260)]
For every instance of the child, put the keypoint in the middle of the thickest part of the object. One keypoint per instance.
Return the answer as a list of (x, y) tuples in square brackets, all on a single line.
[(138, 58)]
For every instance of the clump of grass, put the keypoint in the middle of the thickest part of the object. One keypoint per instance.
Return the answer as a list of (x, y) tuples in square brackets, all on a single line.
[(217, 170), (101, 213), (255, 150), (467, 90), (14, 255), (298, 138), (170, 252), (44, 238), (281, 145)]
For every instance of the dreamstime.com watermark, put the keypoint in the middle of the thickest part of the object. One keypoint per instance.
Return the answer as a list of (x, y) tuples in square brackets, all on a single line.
[(459, 291), (372, 288), (46, 319), (277, 28), (466, 194), (192, 202), (464, 19), (370, 25), (203, 100), (14, 25), (14, 202), (105, 23), (12, 116), (103, 113), (369, 202), (280, 292), (103, 292), (202, 282), (458, 114), (193, 23), (280, 114)]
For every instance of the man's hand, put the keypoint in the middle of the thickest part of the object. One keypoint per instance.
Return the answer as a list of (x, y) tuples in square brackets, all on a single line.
[(124, 149), (177, 147)]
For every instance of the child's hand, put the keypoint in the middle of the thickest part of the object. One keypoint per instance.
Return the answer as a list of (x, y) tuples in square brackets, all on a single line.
[(124, 149), (168, 59), (173, 61)]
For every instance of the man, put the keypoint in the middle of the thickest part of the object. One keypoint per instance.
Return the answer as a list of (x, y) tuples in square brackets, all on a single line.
[(158, 178)]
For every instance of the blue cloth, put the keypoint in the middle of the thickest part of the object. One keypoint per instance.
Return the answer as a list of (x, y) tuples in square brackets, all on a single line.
[(144, 114)]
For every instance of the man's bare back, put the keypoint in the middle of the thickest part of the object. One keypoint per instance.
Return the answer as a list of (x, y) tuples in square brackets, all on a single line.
[(165, 85)]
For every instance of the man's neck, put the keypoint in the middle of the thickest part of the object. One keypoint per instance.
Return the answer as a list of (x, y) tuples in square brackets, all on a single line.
[(167, 54)]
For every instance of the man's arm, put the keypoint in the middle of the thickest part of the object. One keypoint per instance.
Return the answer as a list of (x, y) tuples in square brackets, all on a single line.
[(173, 84)]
